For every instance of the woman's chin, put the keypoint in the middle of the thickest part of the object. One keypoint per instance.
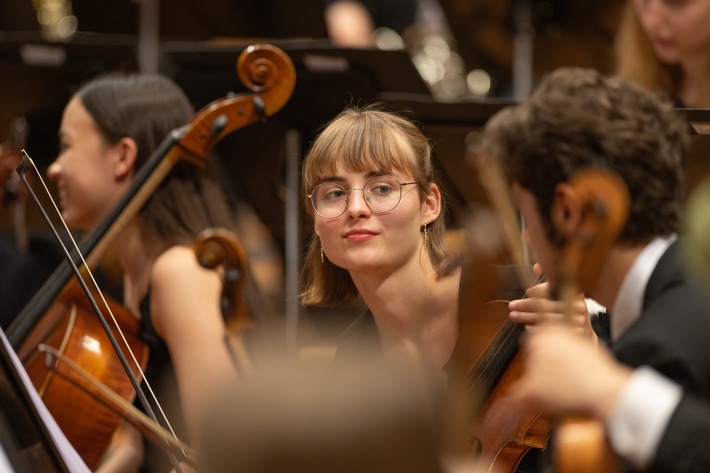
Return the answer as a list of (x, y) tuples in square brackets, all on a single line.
[(667, 55), (76, 223)]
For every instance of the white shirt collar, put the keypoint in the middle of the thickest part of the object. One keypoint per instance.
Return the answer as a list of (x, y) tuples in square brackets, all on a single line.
[(629, 300)]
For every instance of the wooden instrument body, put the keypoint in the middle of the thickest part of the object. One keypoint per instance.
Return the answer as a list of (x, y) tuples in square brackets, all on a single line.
[(72, 328), (60, 314), (500, 431)]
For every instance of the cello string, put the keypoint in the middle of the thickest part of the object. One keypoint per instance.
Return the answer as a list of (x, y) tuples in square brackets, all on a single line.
[(494, 183), (26, 163), (492, 363)]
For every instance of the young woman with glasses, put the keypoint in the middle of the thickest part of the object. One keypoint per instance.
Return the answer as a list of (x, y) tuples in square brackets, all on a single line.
[(379, 235)]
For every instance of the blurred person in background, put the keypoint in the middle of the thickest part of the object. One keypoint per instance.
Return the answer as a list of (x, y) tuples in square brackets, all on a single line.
[(664, 45)]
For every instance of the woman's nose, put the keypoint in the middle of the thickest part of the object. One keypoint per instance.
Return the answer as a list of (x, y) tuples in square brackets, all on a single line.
[(356, 202), (651, 14), (54, 169)]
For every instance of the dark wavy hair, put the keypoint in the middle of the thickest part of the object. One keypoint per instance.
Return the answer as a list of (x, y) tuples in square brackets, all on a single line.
[(578, 118)]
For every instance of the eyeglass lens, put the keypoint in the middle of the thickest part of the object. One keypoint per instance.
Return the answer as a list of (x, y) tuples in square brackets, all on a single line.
[(381, 194)]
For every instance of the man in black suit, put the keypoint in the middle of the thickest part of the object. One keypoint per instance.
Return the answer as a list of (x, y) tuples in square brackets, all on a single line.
[(651, 421), (576, 120)]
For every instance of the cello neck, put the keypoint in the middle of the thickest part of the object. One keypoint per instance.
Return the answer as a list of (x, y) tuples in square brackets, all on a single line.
[(95, 245), (267, 72)]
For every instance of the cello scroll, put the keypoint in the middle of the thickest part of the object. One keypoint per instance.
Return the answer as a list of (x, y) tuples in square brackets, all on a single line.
[(264, 69), (217, 247)]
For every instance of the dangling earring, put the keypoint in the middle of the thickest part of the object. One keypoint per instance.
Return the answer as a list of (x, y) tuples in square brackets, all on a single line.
[(426, 237), (322, 259)]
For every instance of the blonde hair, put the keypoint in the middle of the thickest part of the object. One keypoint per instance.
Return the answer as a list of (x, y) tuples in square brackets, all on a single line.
[(363, 139), (636, 60)]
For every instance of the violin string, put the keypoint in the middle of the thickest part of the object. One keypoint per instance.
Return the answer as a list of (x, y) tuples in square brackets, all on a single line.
[(101, 295)]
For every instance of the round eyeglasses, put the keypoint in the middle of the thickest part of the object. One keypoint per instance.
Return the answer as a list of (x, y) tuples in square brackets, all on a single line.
[(382, 194)]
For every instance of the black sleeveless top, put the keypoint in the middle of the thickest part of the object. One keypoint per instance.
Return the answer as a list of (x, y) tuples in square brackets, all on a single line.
[(158, 357), (362, 333), (161, 377)]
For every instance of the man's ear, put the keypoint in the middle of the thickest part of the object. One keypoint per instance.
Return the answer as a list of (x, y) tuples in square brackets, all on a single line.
[(432, 204), (566, 212), (125, 158)]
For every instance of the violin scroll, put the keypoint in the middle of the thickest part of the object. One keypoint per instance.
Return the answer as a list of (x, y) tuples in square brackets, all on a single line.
[(216, 247), (603, 199), (581, 444)]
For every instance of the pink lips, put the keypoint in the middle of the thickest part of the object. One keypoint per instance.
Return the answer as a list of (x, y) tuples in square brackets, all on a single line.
[(62, 197), (359, 235), (661, 43)]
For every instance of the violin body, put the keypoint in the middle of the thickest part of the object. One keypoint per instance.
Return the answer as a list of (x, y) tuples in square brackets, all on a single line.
[(71, 327)]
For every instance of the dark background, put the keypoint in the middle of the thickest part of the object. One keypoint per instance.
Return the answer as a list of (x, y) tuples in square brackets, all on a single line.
[(199, 45)]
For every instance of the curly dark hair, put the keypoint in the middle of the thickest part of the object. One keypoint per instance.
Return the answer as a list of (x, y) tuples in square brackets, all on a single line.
[(578, 118)]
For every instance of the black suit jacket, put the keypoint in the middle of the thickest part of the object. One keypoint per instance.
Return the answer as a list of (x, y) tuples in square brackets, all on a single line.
[(684, 447), (672, 335)]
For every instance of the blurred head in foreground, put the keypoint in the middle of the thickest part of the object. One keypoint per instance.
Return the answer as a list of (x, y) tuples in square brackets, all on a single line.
[(297, 417)]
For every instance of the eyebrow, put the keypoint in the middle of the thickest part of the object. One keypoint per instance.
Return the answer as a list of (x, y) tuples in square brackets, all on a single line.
[(368, 175)]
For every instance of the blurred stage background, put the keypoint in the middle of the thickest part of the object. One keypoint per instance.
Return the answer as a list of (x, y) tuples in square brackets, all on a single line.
[(448, 64)]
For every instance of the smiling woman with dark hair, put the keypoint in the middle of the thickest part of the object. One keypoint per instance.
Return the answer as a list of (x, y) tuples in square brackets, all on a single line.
[(108, 130)]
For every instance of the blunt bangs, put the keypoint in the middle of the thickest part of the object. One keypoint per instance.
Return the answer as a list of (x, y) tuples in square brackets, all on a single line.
[(360, 143)]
